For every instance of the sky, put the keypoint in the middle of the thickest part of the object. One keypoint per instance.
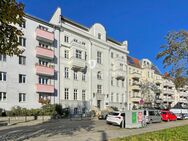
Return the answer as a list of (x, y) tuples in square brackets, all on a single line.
[(143, 23)]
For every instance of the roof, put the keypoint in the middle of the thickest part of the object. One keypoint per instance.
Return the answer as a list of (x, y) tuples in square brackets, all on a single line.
[(133, 62), (64, 19), (156, 70)]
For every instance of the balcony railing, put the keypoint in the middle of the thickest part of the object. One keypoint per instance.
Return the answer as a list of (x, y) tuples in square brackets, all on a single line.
[(44, 35), (44, 88), (119, 74), (44, 52), (44, 70), (136, 75), (136, 98)]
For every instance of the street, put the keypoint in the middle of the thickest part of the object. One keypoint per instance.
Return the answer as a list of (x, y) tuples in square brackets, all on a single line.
[(79, 130)]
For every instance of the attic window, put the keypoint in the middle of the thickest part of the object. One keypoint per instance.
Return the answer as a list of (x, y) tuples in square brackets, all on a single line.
[(99, 36)]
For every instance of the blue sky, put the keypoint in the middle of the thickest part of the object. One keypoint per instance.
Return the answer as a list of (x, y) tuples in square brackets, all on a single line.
[(144, 23)]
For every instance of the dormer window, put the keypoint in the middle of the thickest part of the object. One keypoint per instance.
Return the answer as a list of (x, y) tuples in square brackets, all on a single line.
[(99, 36), (75, 40), (43, 28)]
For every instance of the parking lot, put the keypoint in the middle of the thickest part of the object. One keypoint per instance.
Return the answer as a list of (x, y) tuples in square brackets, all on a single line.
[(79, 130)]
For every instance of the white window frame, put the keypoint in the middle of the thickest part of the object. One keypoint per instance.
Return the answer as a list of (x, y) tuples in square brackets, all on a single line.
[(83, 95), (3, 96), (99, 89), (22, 97), (66, 54), (75, 74), (3, 76), (66, 92), (3, 58), (78, 54), (99, 57), (66, 72), (22, 60), (75, 94)]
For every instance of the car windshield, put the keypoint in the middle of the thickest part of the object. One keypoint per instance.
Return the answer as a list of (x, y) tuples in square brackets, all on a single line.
[(114, 114), (163, 113)]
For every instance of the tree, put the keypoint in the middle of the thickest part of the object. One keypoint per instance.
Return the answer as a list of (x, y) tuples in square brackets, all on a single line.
[(175, 56), (11, 13), (148, 92)]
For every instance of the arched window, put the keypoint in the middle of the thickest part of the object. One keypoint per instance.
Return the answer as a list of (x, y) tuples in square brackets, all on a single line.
[(99, 75)]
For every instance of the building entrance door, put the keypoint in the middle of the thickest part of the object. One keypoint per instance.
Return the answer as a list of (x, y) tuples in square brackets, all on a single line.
[(99, 104)]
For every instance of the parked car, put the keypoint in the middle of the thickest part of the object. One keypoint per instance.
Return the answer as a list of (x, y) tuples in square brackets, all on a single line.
[(180, 113), (103, 115), (168, 116), (115, 118), (152, 115)]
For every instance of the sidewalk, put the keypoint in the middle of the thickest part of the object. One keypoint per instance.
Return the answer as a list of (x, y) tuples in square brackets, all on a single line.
[(105, 135)]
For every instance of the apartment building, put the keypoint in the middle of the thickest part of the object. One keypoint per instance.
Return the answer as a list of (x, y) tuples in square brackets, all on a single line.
[(93, 67), (143, 72), (32, 78)]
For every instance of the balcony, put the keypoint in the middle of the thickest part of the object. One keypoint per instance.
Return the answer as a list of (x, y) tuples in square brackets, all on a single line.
[(185, 94), (44, 35), (135, 87), (44, 53), (183, 100), (44, 70), (136, 75), (168, 99), (168, 91), (119, 74), (44, 88), (77, 64), (158, 101), (136, 99)]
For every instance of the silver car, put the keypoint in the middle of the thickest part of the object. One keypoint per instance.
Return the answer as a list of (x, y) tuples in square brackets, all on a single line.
[(152, 115)]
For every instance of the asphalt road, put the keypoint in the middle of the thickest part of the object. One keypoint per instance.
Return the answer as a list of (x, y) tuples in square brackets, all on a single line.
[(79, 130)]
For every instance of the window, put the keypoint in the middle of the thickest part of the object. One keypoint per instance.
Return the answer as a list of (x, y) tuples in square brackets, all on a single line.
[(117, 97), (99, 89), (43, 63), (3, 58), (43, 45), (99, 75), (22, 97), (66, 54), (22, 78), (43, 80), (66, 93), (3, 96), (122, 83), (23, 24), (22, 41), (83, 95), (78, 54), (112, 97), (112, 81), (75, 75), (112, 55), (66, 39), (75, 40), (83, 43), (3, 76), (43, 28), (75, 94), (66, 72), (99, 54), (83, 76), (99, 36), (85, 55), (22, 60)]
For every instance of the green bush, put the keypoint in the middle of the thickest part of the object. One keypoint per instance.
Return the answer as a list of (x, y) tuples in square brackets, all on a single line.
[(46, 110)]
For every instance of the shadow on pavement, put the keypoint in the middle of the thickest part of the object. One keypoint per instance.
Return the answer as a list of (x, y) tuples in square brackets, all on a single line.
[(49, 129)]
